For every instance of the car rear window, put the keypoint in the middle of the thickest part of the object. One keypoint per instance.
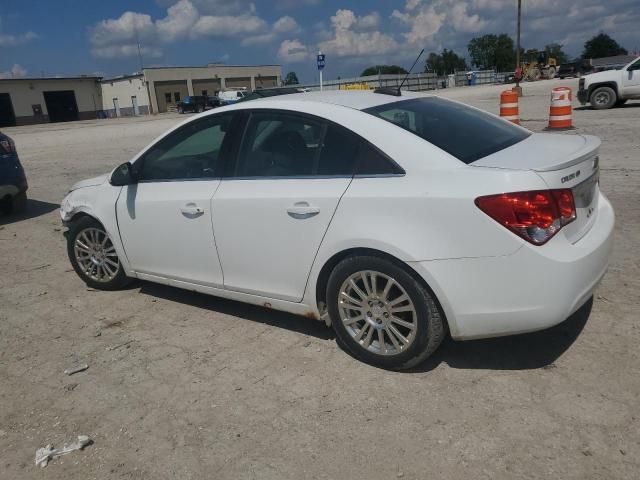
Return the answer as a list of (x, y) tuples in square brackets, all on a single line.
[(464, 132)]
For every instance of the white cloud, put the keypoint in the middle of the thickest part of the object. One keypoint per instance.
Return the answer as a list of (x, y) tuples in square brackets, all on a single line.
[(347, 40), (7, 40), (17, 71), (293, 51), (119, 37), (180, 18), (285, 24), (264, 39), (228, 26), (11, 40), (128, 50), (218, 7)]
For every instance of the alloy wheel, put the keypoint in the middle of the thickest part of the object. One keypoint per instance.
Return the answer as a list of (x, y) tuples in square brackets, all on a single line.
[(96, 255), (377, 312)]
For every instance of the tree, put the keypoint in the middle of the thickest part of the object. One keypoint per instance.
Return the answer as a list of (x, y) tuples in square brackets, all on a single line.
[(602, 45), (554, 50), (291, 79), (446, 62), (384, 70), (493, 51)]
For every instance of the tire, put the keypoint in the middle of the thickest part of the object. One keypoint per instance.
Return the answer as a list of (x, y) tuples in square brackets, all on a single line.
[(19, 203), (621, 102), (180, 110), (603, 98), (561, 77), (92, 266), (551, 73), (404, 345), (199, 110)]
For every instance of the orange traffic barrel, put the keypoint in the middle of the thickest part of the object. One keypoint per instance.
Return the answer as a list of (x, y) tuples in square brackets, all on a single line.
[(561, 109), (509, 106)]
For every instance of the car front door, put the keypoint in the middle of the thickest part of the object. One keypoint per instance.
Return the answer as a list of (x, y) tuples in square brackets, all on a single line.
[(276, 201), (631, 80), (165, 218)]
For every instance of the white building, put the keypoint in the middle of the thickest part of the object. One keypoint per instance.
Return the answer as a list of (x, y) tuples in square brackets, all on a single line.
[(155, 90)]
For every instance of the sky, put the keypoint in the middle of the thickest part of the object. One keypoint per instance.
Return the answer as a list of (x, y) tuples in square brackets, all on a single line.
[(71, 37)]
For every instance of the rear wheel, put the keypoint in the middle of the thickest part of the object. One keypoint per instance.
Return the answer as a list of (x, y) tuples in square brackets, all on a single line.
[(551, 73), (603, 98), (93, 255), (381, 314)]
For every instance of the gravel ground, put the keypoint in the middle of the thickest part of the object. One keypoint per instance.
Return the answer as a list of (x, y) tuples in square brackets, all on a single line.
[(181, 385)]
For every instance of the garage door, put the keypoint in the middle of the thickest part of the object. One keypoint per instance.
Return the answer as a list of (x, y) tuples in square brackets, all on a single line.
[(7, 116), (266, 82), (206, 87), (61, 105), (238, 83)]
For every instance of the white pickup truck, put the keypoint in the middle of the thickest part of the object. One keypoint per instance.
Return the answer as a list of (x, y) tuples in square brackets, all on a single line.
[(610, 88)]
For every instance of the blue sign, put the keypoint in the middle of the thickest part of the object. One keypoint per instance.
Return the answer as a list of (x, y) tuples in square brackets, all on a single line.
[(320, 61)]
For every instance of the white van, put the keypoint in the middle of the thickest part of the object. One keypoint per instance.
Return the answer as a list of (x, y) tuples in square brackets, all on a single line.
[(231, 96)]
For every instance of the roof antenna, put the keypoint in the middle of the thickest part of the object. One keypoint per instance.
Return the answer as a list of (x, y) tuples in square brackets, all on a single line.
[(396, 91)]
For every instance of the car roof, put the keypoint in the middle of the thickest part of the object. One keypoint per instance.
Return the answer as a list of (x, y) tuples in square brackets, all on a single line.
[(356, 99)]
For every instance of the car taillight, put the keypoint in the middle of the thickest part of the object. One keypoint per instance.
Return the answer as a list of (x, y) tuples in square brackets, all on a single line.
[(8, 146), (535, 216)]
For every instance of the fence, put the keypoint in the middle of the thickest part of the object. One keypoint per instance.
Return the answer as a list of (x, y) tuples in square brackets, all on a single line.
[(416, 82)]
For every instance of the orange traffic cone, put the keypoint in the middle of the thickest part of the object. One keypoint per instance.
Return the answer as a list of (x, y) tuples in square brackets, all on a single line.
[(561, 110), (509, 106)]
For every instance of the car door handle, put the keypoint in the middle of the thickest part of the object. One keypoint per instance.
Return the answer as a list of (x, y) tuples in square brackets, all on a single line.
[(192, 209), (302, 210)]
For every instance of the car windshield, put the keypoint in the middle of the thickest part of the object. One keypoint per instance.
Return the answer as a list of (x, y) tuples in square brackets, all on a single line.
[(464, 132)]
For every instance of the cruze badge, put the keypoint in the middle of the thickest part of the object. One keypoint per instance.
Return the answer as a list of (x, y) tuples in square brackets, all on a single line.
[(570, 177)]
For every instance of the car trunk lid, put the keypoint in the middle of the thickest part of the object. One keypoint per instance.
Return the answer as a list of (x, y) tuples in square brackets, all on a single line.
[(562, 161)]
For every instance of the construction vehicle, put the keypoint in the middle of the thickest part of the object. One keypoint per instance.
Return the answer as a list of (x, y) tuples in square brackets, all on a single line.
[(537, 64)]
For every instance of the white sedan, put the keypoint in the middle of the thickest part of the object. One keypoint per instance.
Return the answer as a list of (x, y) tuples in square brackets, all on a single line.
[(396, 218)]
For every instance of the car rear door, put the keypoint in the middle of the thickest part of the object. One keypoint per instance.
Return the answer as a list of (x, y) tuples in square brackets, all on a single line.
[(165, 219), (277, 200)]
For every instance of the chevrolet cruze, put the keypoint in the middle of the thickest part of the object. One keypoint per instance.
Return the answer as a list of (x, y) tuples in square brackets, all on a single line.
[(398, 218)]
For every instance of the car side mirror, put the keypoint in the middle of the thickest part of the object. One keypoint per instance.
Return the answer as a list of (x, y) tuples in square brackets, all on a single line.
[(123, 175)]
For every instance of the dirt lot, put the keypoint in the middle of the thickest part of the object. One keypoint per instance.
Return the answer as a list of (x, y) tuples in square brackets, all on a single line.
[(209, 388)]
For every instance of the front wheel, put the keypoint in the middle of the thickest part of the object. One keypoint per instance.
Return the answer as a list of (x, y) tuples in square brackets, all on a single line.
[(383, 315), (603, 98), (93, 255)]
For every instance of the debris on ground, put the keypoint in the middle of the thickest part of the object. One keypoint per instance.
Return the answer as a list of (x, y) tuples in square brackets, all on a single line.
[(45, 454), (115, 347), (79, 368)]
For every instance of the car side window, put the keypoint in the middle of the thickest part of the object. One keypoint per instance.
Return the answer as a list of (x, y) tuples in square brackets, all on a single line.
[(372, 161), (193, 151), (634, 66), (279, 145)]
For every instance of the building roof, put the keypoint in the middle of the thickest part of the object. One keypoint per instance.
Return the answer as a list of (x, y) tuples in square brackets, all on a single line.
[(38, 79), (217, 65), (121, 77)]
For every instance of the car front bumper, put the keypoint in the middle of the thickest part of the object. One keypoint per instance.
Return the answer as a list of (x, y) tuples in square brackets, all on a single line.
[(583, 96), (532, 289)]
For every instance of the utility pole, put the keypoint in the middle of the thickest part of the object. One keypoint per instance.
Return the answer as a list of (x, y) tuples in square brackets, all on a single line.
[(518, 88), (139, 50)]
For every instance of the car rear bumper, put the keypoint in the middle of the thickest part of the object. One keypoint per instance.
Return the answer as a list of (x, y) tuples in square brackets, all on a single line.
[(532, 289)]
